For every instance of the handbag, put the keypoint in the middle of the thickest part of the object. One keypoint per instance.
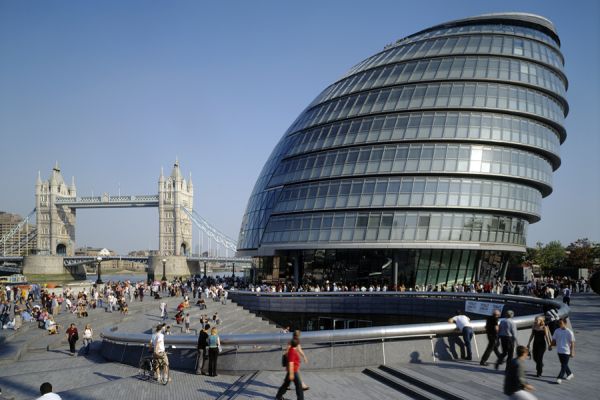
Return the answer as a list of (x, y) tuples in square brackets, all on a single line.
[(220, 349)]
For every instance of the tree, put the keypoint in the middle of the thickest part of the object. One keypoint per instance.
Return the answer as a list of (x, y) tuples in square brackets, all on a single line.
[(550, 256), (581, 253)]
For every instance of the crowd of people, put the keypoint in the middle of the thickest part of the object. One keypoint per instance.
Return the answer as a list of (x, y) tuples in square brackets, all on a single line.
[(35, 304)]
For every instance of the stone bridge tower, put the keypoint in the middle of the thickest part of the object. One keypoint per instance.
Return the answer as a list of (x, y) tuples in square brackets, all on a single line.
[(175, 226), (55, 223)]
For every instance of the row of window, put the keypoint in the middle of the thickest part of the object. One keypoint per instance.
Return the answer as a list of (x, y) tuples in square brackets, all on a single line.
[(434, 95), (405, 158), (483, 28), (426, 126), (409, 192), (448, 68), (394, 226), (481, 44)]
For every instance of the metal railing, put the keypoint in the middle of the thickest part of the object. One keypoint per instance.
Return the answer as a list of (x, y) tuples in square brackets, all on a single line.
[(378, 333)]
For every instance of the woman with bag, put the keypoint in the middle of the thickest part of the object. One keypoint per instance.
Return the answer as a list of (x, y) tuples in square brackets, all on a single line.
[(214, 346), (72, 338), (540, 334)]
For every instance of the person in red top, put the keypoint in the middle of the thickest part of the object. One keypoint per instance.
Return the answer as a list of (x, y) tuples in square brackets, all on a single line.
[(72, 337), (292, 375)]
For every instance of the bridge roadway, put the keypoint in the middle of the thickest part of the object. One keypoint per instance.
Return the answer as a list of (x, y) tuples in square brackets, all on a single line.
[(30, 357)]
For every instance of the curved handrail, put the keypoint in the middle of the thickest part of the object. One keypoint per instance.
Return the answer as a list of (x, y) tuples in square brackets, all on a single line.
[(354, 334)]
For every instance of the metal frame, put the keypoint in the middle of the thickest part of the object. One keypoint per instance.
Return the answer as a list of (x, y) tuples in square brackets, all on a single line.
[(379, 333)]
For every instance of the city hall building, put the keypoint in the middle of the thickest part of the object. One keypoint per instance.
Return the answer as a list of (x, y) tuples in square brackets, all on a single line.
[(424, 164)]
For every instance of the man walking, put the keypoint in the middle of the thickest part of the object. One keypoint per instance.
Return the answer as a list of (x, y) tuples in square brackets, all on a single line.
[(507, 332), (564, 340), (491, 330), (515, 384), (202, 364), (293, 373), (463, 324)]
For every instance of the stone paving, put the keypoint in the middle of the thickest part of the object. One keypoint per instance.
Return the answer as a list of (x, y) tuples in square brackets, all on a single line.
[(30, 357)]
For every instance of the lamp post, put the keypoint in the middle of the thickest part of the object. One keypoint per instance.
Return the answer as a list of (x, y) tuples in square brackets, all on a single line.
[(204, 269), (233, 270), (99, 280), (164, 277)]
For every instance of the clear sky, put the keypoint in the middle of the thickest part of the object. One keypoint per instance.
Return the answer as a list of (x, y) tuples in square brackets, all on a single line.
[(113, 90)]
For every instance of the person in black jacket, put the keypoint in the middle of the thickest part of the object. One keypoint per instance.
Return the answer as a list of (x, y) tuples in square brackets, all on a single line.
[(515, 384), (491, 330), (202, 364)]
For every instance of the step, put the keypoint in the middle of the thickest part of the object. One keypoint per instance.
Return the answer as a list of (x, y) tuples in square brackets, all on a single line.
[(400, 385), (425, 383)]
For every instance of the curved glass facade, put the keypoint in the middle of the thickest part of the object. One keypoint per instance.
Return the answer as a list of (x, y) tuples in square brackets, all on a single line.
[(432, 155)]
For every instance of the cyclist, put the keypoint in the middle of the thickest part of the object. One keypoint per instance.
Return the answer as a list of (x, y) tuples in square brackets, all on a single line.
[(159, 353)]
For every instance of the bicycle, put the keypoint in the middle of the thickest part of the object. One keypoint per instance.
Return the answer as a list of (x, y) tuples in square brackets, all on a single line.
[(148, 366)]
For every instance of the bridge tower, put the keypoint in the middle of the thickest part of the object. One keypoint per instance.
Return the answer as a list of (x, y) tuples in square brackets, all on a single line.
[(175, 226), (55, 223)]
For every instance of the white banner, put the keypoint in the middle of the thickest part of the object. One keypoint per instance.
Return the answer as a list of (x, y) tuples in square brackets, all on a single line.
[(484, 308)]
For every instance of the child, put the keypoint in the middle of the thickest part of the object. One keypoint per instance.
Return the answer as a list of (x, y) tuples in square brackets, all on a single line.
[(187, 323)]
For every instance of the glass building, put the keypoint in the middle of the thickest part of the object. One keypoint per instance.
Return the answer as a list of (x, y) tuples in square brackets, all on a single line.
[(424, 164)]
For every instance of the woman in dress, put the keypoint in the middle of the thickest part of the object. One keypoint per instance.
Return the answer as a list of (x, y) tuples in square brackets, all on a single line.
[(541, 338), (88, 334)]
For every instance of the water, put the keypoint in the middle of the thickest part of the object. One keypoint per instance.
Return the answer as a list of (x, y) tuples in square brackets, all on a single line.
[(122, 277)]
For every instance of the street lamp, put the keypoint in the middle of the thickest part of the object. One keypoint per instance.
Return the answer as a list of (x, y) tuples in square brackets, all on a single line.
[(164, 277), (233, 270), (99, 280), (204, 269)]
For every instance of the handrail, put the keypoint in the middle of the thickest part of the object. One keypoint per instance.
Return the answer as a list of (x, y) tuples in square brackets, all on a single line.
[(355, 334)]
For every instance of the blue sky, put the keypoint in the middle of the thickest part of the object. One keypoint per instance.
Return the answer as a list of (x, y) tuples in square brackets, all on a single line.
[(114, 90)]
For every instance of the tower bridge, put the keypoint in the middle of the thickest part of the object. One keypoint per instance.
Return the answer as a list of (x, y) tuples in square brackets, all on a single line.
[(53, 235)]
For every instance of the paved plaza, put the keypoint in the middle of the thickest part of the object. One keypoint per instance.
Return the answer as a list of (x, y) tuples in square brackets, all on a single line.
[(30, 357)]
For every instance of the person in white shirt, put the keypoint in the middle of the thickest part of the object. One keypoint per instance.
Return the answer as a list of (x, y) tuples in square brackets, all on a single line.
[(463, 324), (564, 341), (46, 392), (158, 344)]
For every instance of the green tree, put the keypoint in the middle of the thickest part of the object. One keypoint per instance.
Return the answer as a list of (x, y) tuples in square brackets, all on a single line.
[(581, 253), (550, 256)]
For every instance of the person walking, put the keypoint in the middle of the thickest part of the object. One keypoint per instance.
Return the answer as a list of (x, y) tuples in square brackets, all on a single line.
[(72, 338), (202, 364), (463, 324), (564, 340), (214, 343), (540, 334), (515, 385), (163, 311), (491, 330), (567, 296), (88, 334), (292, 372), (507, 332)]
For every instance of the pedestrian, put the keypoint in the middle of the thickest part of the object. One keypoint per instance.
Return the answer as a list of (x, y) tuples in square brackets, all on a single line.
[(72, 338), (202, 364), (88, 334), (564, 340), (292, 372), (187, 322), (567, 296), (463, 324), (515, 384), (163, 311), (214, 344), (507, 332), (491, 330), (540, 334), (46, 392)]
